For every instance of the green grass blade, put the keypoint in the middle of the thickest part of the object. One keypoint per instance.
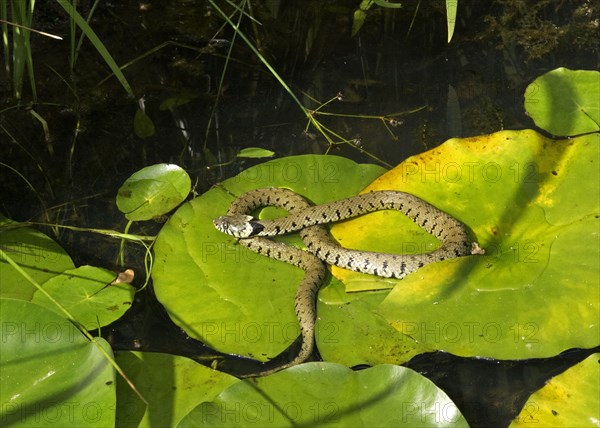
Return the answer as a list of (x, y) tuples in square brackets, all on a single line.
[(5, 45), (81, 37), (261, 57), (20, 45), (87, 30), (30, 73), (451, 6)]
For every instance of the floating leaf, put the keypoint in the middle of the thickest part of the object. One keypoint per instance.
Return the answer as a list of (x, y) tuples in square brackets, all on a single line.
[(350, 333), (358, 20), (36, 253), (324, 394), (87, 293), (360, 15), (255, 152), (224, 294), (387, 4), (528, 201), (522, 194), (143, 125), (51, 375), (175, 101), (173, 384), (567, 400), (565, 102), (153, 191)]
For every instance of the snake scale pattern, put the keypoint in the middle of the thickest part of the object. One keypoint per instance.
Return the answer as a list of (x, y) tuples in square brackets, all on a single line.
[(309, 220)]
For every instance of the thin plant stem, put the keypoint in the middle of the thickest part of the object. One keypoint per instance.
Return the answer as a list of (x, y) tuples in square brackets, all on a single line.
[(221, 80), (121, 258), (96, 42), (262, 59), (81, 36)]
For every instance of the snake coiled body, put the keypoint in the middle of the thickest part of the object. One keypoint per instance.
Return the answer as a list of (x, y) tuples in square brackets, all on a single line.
[(308, 220)]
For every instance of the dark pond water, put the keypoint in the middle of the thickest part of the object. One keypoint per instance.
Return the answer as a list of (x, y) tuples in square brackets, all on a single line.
[(399, 66)]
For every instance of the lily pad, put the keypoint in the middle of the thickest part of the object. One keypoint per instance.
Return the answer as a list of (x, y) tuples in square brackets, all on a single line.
[(51, 375), (532, 203), (255, 152), (222, 293), (172, 385), (317, 394), (153, 191), (350, 331), (36, 253), (565, 102), (522, 195), (87, 293), (569, 399), (143, 125)]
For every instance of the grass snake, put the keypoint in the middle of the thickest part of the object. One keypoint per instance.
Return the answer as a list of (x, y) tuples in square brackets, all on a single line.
[(308, 220)]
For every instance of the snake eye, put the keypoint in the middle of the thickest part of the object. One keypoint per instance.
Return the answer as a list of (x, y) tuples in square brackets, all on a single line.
[(256, 228)]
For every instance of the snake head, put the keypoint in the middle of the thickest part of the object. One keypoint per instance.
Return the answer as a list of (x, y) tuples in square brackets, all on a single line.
[(237, 225)]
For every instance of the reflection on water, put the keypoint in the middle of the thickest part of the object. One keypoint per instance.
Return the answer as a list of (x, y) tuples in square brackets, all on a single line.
[(398, 64)]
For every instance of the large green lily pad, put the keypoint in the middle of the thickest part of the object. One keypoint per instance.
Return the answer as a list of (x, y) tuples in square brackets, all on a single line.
[(171, 385), (35, 253), (51, 375), (527, 200), (350, 331), (325, 394), (224, 294)]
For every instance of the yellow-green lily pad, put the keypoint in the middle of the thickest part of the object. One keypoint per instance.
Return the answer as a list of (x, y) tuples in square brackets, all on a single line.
[(528, 200), (567, 400), (533, 205)]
